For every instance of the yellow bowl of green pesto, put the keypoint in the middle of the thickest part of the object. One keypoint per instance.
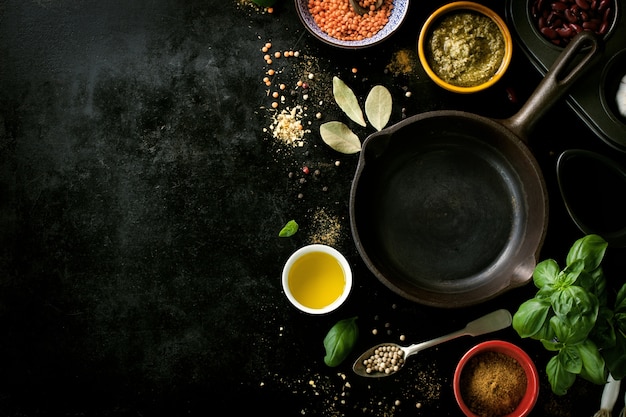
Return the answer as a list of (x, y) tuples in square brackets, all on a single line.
[(465, 47)]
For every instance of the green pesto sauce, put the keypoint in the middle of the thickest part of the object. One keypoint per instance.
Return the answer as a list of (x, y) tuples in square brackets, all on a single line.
[(465, 49)]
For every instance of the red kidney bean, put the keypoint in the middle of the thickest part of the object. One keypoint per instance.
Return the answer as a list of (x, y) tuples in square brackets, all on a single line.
[(564, 32), (549, 33), (570, 16), (592, 26), (560, 20), (603, 5), (583, 4)]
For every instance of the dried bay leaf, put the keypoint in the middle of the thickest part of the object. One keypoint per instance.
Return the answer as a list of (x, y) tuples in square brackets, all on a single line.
[(378, 106), (347, 101), (338, 136)]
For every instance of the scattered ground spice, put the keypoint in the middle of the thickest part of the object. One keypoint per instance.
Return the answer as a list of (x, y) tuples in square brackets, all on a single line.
[(287, 126), (402, 63), (493, 384), (325, 229)]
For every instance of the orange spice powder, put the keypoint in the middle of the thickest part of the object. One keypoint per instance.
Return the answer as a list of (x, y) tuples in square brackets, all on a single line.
[(493, 384), (339, 20)]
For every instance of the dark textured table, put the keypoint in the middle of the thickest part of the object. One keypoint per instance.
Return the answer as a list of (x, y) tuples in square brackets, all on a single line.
[(142, 192)]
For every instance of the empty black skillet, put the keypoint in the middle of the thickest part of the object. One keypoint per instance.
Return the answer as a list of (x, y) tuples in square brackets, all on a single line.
[(449, 208)]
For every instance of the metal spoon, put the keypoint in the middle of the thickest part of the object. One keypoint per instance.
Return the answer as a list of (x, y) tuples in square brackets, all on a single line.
[(362, 10), (491, 322)]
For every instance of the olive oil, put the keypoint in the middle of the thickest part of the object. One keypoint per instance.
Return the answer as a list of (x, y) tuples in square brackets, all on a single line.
[(316, 280)]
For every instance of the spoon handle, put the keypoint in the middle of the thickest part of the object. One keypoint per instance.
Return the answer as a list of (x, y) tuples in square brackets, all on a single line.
[(488, 323)]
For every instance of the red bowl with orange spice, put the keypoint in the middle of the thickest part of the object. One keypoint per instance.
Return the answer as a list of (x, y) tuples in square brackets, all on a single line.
[(496, 379), (321, 19)]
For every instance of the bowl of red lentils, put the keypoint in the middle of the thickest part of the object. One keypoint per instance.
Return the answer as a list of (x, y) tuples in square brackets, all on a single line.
[(336, 23)]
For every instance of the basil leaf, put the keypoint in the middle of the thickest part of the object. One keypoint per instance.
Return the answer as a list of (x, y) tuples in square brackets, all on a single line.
[(590, 249), (577, 312), (593, 364), (530, 316), (288, 229), (340, 340), (570, 359), (615, 358), (378, 105), (620, 301), (546, 273), (552, 344), (347, 101), (560, 379)]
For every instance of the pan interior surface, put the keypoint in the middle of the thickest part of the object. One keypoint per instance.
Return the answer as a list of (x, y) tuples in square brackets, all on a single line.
[(443, 214)]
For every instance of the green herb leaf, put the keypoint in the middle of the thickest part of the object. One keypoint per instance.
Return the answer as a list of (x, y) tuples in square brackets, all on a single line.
[(338, 136), (289, 229), (560, 379), (378, 105), (615, 358), (531, 316), (577, 311), (592, 362), (571, 360), (340, 340), (546, 273), (347, 101), (591, 249)]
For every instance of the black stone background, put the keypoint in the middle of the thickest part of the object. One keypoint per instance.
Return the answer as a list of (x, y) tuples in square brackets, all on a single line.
[(140, 201)]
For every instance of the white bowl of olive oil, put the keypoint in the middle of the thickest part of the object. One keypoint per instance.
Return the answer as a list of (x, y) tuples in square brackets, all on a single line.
[(317, 279)]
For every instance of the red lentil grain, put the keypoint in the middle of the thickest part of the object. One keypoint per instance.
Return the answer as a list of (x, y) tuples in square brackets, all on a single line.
[(336, 18)]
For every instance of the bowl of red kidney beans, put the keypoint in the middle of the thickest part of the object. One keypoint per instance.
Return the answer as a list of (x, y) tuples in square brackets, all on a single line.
[(558, 21)]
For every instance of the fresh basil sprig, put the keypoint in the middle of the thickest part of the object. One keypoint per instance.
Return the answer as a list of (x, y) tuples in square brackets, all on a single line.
[(340, 340), (570, 315)]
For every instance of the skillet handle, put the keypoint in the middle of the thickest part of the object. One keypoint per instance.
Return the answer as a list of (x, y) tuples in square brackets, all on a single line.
[(555, 83)]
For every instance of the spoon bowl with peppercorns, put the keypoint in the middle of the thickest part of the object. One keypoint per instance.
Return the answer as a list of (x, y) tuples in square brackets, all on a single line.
[(386, 359)]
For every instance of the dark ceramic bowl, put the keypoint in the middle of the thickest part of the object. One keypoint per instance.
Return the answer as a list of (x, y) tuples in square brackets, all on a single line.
[(529, 399), (593, 187), (613, 74)]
